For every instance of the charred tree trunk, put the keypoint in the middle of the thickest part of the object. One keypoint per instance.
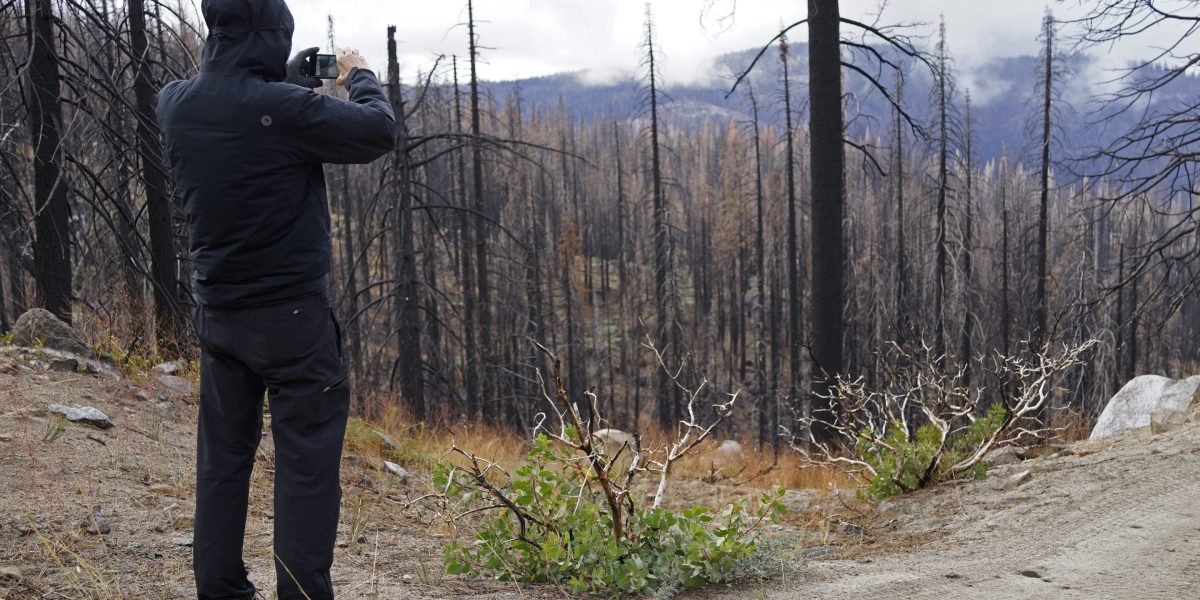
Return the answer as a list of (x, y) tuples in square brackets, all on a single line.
[(943, 101), (52, 246), (412, 388), (828, 198), (471, 350), (795, 318), (968, 268), (169, 331), (1040, 306), (662, 257), (482, 286), (902, 317), (767, 420)]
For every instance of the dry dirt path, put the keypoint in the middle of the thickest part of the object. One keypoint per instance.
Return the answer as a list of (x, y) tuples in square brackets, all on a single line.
[(1113, 520)]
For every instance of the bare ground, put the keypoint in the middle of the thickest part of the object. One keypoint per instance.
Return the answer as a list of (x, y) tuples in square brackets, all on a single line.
[(1114, 520), (1118, 519)]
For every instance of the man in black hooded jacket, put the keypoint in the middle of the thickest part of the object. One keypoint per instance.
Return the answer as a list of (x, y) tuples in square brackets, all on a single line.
[(246, 139)]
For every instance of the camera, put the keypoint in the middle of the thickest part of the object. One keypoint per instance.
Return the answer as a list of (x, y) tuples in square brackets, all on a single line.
[(321, 66)]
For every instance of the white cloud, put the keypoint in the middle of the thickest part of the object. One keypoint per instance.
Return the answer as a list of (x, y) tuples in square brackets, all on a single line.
[(525, 38)]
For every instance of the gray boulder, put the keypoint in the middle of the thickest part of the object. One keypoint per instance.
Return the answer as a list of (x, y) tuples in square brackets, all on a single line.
[(40, 326), (1143, 397)]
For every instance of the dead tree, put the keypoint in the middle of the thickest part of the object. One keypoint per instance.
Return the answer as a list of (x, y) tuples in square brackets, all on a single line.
[(408, 320), (968, 274), (663, 331), (169, 330), (52, 245), (795, 295), (483, 211), (1047, 82), (946, 124)]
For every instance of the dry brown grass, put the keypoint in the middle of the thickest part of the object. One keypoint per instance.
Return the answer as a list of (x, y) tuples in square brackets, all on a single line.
[(1074, 426), (420, 447)]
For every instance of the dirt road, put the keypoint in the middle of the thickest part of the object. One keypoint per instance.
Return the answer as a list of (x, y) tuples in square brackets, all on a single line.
[(1113, 520)]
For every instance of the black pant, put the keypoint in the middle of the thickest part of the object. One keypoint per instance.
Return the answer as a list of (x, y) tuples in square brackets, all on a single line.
[(293, 352)]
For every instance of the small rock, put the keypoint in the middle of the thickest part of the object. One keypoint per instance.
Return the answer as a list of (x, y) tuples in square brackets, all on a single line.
[(1030, 573), (852, 529), (388, 442), (86, 415), (1040, 451), (614, 439), (10, 574), (407, 578), (5, 438), (8, 367), (396, 470), (176, 384), (358, 461), (164, 489), (168, 368), (96, 524), (166, 410), (1018, 480), (183, 540), (1005, 455), (142, 395), (65, 365), (729, 454)]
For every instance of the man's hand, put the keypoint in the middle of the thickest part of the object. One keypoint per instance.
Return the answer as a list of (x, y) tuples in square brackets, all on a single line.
[(347, 61), (295, 71)]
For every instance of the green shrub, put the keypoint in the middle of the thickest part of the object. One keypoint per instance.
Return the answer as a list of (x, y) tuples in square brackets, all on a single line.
[(559, 530), (902, 465)]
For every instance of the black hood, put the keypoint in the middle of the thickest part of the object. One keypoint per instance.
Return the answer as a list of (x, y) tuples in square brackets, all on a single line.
[(248, 35)]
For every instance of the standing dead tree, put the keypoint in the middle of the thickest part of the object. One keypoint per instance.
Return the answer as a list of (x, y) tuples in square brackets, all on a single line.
[(668, 404), (168, 319), (52, 245)]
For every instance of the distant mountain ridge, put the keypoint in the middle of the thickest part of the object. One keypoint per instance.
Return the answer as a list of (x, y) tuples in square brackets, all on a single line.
[(1004, 102)]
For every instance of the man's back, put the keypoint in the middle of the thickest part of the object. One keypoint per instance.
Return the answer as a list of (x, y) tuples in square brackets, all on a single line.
[(247, 148)]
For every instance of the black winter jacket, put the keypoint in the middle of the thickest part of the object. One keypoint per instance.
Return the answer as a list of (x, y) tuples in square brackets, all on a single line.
[(246, 150)]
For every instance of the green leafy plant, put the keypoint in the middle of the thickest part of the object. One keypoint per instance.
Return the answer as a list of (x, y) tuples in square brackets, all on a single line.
[(558, 530), (568, 513), (900, 464)]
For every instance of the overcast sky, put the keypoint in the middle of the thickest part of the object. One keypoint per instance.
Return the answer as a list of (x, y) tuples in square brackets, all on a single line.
[(528, 38)]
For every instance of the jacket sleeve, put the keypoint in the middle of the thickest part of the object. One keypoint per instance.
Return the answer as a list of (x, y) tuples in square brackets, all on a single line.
[(358, 131)]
